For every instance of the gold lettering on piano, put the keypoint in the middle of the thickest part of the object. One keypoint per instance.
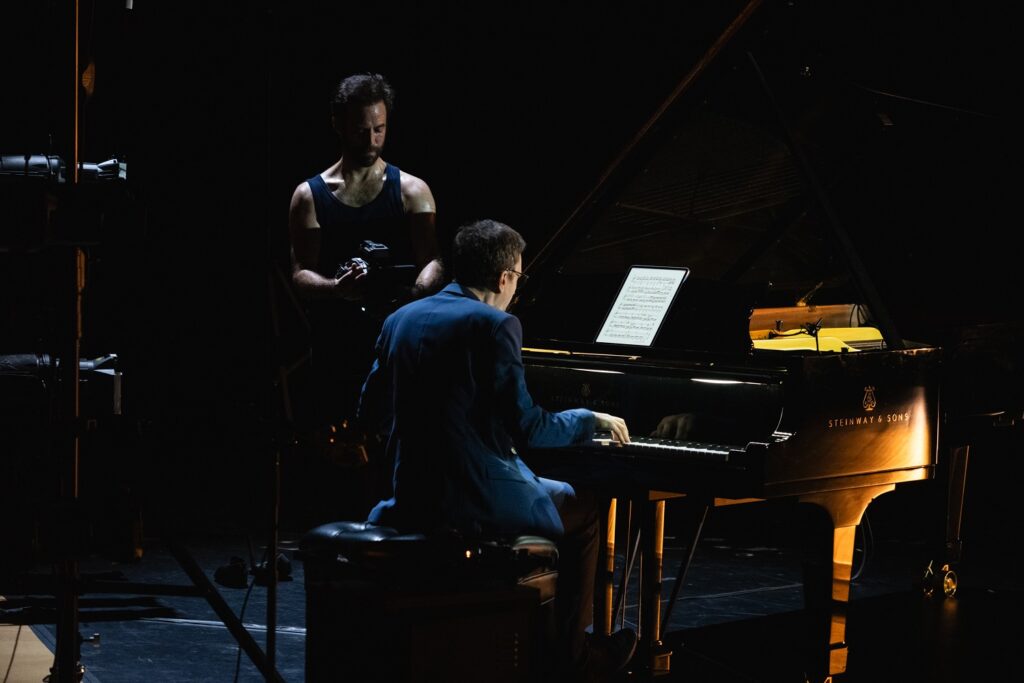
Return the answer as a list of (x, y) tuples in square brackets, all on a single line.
[(558, 400), (868, 420)]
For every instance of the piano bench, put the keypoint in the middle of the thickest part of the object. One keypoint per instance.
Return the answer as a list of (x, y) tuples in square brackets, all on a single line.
[(385, 606)]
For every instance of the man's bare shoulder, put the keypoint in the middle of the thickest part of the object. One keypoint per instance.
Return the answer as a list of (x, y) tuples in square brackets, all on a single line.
[(302, 212), (302, 193), (416, 195)]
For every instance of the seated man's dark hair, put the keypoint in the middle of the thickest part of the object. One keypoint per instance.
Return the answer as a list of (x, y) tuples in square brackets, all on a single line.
[(482, 250), (362, 90)]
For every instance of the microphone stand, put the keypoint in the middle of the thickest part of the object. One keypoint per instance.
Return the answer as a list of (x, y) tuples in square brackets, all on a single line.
[(67, 665)]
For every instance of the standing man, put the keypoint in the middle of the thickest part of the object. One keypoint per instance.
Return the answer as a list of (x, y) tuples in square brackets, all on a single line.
[(449, 384), (359, 198)]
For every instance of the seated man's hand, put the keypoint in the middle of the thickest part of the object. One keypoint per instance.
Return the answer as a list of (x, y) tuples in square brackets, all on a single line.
[(613, 424)]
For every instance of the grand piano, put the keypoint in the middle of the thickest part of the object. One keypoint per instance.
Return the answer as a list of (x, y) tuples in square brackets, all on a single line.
[(777, 372)]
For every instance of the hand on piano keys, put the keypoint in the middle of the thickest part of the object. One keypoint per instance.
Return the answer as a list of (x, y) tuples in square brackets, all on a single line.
[(615, 425), (643, 445)]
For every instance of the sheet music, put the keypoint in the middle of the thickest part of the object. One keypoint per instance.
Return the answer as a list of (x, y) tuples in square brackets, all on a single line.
[(641, 305)]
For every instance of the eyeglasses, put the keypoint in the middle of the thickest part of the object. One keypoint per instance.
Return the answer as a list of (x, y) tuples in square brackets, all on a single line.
[(523, 277)]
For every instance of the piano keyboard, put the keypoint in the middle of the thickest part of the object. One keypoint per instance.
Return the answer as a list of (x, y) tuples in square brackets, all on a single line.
[(643, 444)]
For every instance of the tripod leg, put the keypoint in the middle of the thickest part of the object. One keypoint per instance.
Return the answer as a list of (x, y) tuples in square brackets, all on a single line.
[(227, 616)]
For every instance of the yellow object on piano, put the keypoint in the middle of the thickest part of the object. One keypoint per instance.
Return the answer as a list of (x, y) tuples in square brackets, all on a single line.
[(836, 339), (853, 334), (803, 342)]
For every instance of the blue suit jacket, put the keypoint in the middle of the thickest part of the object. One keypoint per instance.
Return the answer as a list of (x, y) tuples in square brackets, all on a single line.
[(449, 378)]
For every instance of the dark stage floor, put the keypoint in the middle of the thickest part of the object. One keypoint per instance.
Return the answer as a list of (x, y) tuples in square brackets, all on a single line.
[(738, 619), (739, 616)]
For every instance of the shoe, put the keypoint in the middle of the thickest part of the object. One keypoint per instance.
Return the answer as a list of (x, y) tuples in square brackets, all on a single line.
[(608, 655)]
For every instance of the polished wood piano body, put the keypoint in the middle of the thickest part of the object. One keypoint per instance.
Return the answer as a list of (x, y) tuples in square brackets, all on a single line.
[(835, 430), (785, 426)]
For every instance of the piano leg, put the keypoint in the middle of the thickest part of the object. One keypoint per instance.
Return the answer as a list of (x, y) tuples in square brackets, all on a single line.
[(604, 611), (845, 509), (940, 577), (654, 655), (955, 511)]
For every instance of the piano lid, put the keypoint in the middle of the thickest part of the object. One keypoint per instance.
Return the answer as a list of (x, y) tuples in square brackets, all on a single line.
[(747, 175)]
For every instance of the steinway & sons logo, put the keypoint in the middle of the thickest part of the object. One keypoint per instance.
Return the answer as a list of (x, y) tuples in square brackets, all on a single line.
[(586, 397), (869, 403)]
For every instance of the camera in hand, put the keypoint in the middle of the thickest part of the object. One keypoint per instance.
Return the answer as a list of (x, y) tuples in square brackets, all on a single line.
[(372, 256), (387, 285)]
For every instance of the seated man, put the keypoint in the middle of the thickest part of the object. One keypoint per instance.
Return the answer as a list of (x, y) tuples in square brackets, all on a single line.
[(449, 377)]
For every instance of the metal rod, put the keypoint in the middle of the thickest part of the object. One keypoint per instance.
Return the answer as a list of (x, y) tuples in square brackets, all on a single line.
[(681, 574), (224, 611)]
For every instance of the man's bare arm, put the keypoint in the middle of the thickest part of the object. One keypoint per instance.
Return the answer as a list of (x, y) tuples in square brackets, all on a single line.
[(424, 246), (421, 209)]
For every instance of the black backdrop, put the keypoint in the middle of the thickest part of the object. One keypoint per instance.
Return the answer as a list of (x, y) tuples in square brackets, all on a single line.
[(507, 111)]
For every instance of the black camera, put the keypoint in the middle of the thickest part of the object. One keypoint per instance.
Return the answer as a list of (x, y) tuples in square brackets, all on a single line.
[(372, 255), (387, 285)]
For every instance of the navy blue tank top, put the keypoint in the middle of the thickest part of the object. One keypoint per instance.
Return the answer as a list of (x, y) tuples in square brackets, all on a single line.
[(343, 227), (343, 334)]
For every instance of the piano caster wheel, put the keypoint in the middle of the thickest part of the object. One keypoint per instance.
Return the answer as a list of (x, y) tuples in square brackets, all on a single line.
[(944, 580)]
